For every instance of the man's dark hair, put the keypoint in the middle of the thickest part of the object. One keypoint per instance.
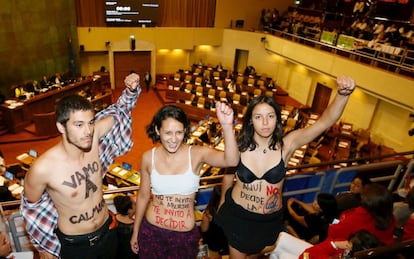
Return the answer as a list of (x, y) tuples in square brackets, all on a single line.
[(69, 104)]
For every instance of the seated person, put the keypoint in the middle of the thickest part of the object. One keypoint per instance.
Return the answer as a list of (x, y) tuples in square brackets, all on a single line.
[(310, 221), (289, 247), (231, 87), (125, 209), (45, 83), (29, 87), (352, 198), (19, 92), (58, 79), (271, 85), (408, 229), (402, 209), (212, 235), (374, 215), (5, 194)]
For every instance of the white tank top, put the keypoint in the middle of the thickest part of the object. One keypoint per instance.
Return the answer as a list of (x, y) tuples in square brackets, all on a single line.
[(183, 184)]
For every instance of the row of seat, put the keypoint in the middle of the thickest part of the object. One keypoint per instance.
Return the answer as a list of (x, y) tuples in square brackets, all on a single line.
[(208, 102), (219, 81)]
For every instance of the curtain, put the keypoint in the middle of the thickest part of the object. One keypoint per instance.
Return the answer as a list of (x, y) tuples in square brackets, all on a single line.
[(172, 13), (90, 13), (187, 13)]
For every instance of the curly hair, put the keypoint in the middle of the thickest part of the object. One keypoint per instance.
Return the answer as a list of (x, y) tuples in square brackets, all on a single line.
[(169, 111)]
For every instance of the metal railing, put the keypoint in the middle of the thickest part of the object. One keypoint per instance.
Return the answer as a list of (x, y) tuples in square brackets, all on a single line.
[(399, 61)]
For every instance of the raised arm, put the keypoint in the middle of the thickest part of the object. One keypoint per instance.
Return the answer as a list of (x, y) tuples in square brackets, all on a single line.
[(125, 102), (117, 123), (333, 112), (230, 156)]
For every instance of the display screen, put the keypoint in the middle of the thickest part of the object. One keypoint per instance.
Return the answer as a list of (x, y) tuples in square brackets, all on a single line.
[(32, 153), (134, 13), (9, 175)]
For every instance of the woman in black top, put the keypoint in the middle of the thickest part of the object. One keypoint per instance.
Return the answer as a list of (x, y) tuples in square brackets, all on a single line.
[(310, 221), (125, 219), (212, 234)]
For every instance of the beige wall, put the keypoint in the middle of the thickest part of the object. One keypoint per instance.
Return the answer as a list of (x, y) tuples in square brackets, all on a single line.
[(381, 103)]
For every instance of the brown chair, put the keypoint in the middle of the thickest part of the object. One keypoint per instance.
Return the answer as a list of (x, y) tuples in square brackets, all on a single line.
[(236, 98), (45, 124), (211, 94), (201, 102), (257, 92), (198, 80), (223, 96), (290, 125), (188, 78), (219, 85), (216, 75), (188, 88), (199, 91), (269, 93), (250, 82), (260, 83), (197, 71), (190, 100), (239, 80)]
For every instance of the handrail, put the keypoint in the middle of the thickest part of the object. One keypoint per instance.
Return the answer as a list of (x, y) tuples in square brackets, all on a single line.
[(398, 164), (216, 177), (405, 61), (353, 160)]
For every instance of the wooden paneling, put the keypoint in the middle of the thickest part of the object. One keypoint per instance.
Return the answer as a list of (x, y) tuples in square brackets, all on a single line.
[(45, 124), (125, 62), (321, 98), (17, 118)]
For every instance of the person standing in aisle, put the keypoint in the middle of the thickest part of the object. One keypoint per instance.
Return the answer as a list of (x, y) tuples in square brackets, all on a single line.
[(147, 80), (251, 214), (62, 203), (164, 219)]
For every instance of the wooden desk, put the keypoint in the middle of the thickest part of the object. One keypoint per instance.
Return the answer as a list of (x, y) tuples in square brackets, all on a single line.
[(124, 177), (19, 117)]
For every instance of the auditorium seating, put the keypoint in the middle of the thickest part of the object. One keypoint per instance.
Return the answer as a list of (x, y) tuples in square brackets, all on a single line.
[(339, 143)]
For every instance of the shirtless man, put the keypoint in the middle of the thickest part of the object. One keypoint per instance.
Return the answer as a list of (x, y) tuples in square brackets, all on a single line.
[(71, 174)]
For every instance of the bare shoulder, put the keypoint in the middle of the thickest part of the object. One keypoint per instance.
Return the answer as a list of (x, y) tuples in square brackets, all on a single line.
[(39, 174), (146, 161), (45, 163)]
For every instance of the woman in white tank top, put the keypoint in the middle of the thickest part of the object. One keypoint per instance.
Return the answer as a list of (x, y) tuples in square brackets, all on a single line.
[(165, 221)]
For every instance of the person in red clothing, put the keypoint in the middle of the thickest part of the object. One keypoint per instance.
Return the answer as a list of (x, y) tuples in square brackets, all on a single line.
[(408, 230), (374, 215)]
